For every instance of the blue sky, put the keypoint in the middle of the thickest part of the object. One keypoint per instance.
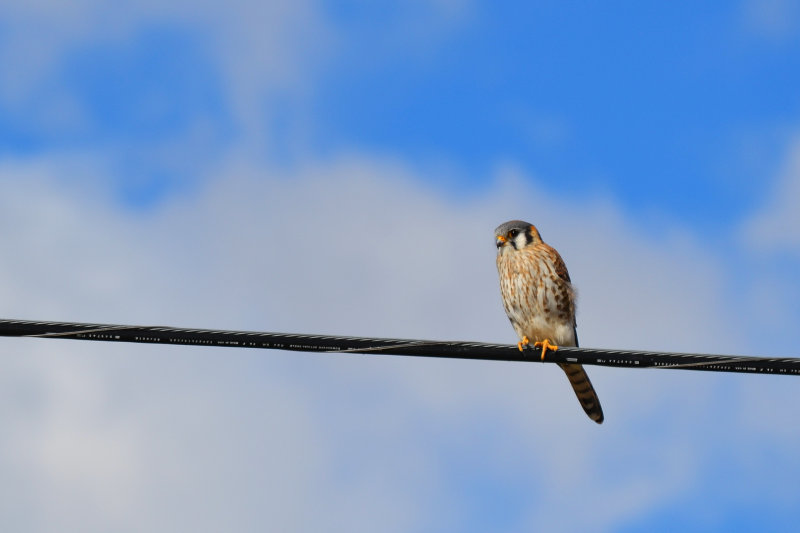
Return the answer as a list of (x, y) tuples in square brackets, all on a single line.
[(646, 100), (338, 167), (668, 108)]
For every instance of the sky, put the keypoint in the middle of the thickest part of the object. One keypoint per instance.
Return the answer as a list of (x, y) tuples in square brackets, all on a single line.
[(339, 168)]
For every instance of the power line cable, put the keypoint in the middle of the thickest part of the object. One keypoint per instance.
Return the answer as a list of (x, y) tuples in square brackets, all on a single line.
[(406, 347)]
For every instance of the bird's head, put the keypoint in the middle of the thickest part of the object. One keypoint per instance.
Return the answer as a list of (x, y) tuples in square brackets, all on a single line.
[(515, 235)]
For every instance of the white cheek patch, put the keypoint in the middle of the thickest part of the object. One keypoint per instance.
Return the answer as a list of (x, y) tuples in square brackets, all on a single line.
[(520, 241)]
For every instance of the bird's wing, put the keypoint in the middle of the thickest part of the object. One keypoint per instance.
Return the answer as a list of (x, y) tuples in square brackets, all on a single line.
[(576, 375)]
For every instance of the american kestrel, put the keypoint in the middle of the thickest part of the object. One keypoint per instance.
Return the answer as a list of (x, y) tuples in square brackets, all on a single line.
[(540, 301)]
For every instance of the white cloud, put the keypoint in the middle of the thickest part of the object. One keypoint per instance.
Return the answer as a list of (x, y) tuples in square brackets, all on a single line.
[(167, 438)]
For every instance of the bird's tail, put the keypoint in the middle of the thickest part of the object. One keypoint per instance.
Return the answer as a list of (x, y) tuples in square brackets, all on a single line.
[(584, 391)]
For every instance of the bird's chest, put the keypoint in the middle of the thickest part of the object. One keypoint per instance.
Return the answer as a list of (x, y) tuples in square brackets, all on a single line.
[(530, 289)]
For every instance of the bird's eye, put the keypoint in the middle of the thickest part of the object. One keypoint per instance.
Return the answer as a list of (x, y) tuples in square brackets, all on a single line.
[(513, 233)]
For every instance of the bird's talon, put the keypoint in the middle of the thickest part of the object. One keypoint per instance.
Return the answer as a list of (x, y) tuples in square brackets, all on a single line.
[(524, 343), (544, 345)]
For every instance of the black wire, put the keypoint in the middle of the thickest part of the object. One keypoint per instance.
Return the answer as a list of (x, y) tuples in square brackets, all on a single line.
[(408, 347)]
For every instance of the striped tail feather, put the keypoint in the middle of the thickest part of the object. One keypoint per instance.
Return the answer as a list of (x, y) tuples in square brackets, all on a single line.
[(584, 391)]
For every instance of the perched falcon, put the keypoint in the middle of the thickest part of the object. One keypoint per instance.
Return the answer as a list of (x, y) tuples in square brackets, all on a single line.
[(540, 301)]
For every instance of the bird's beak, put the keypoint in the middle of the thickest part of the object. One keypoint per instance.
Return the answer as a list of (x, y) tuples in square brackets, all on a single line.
[(500, 241)]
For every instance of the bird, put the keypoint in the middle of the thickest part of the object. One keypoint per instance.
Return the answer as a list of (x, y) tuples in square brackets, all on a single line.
[(539, 300)]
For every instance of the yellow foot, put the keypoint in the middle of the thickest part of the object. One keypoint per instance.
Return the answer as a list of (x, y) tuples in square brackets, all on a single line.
[(523, 344), (544, 345)]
